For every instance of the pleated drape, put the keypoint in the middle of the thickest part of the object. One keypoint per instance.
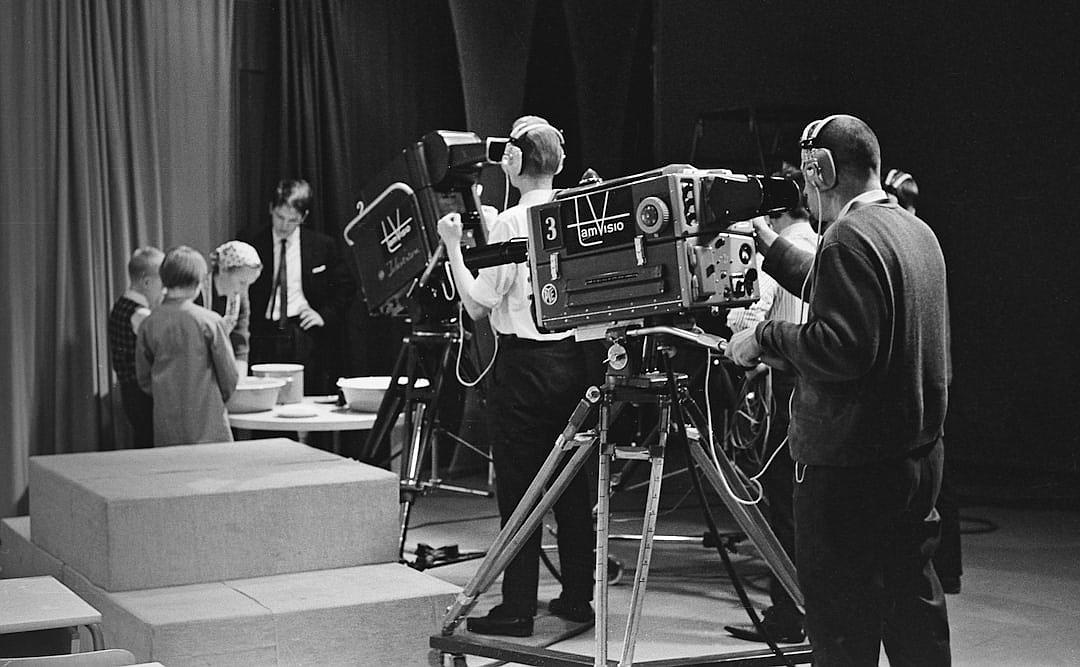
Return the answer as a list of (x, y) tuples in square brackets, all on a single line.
[(114, 133)]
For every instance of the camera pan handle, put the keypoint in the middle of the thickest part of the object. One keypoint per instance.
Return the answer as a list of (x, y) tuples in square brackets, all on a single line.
[(703, 339)]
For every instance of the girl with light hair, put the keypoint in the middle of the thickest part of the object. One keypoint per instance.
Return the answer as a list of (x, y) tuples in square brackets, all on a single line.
[(234, 265)]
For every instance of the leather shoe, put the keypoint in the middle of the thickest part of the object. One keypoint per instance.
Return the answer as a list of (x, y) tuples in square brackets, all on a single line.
[(500, 622), (786, 631), (577, 612)]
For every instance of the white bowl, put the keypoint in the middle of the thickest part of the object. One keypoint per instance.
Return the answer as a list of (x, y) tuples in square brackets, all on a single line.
[(293, 374), (255, 394), (366, 394)]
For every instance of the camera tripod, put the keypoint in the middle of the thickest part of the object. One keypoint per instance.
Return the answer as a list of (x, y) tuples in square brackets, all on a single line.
[(622, 386), (421, 412)]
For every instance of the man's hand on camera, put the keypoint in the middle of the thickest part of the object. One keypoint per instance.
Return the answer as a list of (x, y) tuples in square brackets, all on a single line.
[(744, 349), (450, 230)]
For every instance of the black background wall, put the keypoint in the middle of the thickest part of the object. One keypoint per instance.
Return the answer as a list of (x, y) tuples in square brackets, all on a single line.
[(978, 100)]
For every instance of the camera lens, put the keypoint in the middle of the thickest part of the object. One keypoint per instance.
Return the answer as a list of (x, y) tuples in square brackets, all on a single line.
[(652, 215)]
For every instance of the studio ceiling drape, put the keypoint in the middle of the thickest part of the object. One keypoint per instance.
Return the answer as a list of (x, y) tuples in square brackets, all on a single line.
[(114, 133)]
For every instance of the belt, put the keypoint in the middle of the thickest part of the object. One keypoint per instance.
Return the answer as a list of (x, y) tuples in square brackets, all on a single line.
[(513, 340)]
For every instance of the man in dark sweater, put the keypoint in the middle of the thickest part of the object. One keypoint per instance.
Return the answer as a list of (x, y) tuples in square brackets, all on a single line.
[(866, 422)]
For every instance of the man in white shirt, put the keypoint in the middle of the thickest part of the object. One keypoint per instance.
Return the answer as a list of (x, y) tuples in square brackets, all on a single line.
[(538, 379), (783, 620)]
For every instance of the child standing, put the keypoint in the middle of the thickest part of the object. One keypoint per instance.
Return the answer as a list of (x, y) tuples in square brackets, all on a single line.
[(184, 359), (144, 292)]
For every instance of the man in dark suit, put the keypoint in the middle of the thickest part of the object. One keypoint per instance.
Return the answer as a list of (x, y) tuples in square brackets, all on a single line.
[(298, 306)]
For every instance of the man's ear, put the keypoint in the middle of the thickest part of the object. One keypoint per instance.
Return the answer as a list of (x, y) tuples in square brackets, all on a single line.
[(513, 159), (562, 163)]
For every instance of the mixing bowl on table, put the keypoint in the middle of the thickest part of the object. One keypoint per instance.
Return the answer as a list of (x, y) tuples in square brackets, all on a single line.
[(365, 394), (255, 394)]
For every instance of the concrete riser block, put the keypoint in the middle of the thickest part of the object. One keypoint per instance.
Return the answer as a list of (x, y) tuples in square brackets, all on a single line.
[(19, 556), (138, 519), (370, 615)]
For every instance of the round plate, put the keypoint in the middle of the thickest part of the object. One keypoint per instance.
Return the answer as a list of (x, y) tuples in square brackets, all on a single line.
[(296, 411), (332, 398)]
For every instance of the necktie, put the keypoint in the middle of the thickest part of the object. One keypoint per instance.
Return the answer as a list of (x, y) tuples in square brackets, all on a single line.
[(282, 287)]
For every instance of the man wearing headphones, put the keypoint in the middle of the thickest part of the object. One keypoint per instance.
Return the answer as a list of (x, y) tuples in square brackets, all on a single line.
[(867, 418), (538, 379)]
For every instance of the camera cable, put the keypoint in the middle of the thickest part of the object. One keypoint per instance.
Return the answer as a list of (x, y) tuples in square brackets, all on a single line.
[(710, 522), (753, 483), (461, 347)]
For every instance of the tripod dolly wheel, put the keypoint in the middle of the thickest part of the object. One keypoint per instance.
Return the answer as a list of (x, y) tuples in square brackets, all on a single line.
[(453, 660), (614, 570)]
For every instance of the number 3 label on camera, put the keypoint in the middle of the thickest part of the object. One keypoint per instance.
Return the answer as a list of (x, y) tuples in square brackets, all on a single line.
[(552, 231)]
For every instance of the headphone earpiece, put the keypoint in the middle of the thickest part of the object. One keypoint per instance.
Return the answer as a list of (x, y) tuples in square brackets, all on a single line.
[(818, 165)]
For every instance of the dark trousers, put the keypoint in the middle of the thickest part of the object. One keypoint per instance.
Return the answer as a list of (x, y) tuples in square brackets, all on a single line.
[(948, 560), (293, 345), (533, 392), (139, 409), (779, 485), (864, 538)]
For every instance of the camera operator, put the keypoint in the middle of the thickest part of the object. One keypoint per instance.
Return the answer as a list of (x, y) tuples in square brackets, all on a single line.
[(538, 380), (782, 621), (866, 422)]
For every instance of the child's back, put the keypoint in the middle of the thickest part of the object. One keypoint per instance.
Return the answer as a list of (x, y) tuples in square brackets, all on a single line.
[(185, 361)]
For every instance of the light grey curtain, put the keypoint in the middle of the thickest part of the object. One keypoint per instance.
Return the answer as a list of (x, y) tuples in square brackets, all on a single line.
[(114, 132)]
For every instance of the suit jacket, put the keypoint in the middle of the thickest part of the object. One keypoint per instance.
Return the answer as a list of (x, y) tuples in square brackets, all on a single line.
[(324, 278)]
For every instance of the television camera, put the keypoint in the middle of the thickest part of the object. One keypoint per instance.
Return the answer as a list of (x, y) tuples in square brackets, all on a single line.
[(393, 239), (649, 244)]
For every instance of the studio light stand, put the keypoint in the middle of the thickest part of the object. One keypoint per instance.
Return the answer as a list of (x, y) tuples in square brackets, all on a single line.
[(420, 406), (624, 385)]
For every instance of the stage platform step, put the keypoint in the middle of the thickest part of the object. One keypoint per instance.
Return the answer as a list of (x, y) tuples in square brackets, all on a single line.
[(150, 518), (378, 614)]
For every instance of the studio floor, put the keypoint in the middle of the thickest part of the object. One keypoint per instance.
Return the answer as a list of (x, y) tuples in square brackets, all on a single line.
[(1020, 602)]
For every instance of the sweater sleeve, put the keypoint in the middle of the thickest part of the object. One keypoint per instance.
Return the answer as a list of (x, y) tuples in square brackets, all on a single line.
[(848, 308), (241, 332), (224, 361), (788, 264)]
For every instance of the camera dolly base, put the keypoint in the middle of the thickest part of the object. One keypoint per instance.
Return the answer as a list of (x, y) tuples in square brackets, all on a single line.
[(663, 389)]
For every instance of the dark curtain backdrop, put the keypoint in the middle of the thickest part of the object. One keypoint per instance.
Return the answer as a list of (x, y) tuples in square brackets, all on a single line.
[(580, 65), (332, 90), (981, 107), (114, 117)]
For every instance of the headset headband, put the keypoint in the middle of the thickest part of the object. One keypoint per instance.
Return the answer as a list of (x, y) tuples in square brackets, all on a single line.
[(521, 131), (895, 178), (811, 131)]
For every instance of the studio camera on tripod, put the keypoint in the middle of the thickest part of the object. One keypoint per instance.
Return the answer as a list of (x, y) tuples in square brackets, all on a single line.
[(393, 239)]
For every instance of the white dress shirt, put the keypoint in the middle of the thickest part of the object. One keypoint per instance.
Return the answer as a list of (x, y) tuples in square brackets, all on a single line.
[(294, 285), (506, 290)]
